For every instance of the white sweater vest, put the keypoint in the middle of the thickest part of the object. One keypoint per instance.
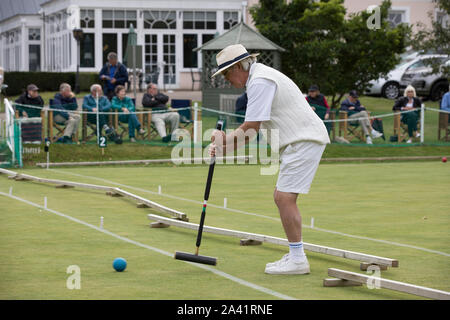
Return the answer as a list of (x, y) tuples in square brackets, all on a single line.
[(290, 113)]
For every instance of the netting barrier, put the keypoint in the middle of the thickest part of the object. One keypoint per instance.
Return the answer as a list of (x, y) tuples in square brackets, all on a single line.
[(431, 125), (10, 139)]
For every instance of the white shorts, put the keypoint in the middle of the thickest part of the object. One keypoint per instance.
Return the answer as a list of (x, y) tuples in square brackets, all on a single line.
[(298, 165)]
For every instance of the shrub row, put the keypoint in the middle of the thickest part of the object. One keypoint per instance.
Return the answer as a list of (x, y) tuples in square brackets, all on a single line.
[(47, 81)]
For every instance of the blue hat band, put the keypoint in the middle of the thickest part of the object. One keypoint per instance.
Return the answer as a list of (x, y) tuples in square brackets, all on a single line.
[(225, 64)]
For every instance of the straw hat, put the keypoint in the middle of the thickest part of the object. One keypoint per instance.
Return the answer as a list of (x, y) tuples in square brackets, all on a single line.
[(230, 56)]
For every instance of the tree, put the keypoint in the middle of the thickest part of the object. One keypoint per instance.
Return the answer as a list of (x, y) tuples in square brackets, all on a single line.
[(436, 39), (326, 48)]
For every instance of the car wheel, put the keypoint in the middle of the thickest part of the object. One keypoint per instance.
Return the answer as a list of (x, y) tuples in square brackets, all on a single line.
[(391, 90), (438, 90)]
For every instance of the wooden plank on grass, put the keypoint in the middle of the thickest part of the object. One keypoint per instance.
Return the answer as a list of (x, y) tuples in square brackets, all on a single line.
[(390, 284), (339, 283), (9, 172), (152, 204), (66, 183), (109, 190), (280, 241)]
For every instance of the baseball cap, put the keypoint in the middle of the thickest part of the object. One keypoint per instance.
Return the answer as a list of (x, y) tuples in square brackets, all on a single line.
[(32, 87), (313, 88), (353, 94)]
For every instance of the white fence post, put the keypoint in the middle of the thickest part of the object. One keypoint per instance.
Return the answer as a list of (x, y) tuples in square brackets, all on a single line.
[(195, 122), (422, 123)]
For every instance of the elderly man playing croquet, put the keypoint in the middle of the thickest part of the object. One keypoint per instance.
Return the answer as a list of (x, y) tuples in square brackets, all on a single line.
[(275, 103)]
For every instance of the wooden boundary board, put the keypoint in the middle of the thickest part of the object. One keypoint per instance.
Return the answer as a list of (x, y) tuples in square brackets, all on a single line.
[(279, 241), (354, 277), (109, 190)]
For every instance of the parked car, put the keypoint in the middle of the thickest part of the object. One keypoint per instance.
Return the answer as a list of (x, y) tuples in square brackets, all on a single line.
[(389, 86), (429, 85)]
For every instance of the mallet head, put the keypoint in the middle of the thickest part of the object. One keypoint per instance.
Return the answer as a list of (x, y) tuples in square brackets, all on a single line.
[(195, 258)]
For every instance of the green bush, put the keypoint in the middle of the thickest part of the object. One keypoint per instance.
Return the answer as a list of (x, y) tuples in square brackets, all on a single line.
[(47, 81)]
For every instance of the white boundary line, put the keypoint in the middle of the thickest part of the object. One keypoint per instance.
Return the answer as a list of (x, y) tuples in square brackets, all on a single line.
[(163, 252), (262, 216)]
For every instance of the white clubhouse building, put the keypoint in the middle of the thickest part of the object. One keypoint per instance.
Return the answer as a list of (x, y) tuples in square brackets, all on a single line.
[(36, 35)]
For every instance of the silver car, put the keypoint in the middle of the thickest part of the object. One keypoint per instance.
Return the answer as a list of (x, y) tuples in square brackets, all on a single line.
[(389, 86), (432, 86)]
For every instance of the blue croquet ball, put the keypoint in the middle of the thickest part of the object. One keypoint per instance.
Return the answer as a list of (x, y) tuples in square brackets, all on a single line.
[(119, 264)]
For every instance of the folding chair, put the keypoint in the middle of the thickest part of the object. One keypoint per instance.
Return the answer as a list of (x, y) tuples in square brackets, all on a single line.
[(195, 80), (186, 116), (400, 128), (52, 124), (92, 127), (444, 125), (32, 128), (350, 129)]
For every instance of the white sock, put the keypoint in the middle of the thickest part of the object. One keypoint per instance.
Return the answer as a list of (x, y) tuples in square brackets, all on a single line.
[(296, 250)]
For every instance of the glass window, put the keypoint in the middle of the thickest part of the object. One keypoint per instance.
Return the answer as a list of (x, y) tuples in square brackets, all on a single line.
[(190, 58), (169, 59), (87, 18), (396, 17), (34, 57), (230, 18), (199, 20), (109, 44), (87, 51), (107, 18), (118, 18), (124, 44), (34, 34), (206, 38), (160, 20)]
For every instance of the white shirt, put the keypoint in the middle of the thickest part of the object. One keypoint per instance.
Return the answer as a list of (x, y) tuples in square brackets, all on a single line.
[(260, 94)]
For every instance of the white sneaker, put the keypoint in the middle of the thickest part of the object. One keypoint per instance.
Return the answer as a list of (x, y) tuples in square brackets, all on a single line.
[(376, 134), (369, 140), (141, 131), (409, 140), (272, 264), (417, 135), (132, 140), (288, 266)]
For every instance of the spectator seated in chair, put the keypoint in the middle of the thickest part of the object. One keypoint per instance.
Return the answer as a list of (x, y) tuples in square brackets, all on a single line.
[(65, 101), (30, 98), (104, 105), (445, 103), (357, 111), (318, 101), (126, 107), (161, 114), (409, 102)]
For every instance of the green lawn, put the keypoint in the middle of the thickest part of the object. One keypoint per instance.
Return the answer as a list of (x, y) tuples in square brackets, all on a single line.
[(405, 204)]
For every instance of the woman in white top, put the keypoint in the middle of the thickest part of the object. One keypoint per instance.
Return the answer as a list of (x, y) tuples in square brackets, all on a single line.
[(409, 102)]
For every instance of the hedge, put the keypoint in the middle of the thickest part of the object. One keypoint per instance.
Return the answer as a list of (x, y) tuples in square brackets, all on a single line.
[(47, 81)]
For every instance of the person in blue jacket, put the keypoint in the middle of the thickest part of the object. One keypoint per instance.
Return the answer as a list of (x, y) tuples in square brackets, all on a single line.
[(445, 103), (356, 110), (65, 101), (104, 105), (113, 74)]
